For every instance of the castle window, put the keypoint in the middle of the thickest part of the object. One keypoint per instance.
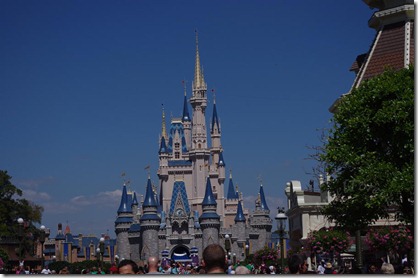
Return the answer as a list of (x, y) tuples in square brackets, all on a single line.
[(177, 145), (177, 155)]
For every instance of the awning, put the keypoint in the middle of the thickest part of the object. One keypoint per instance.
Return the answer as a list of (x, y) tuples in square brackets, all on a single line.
[(181, 257)]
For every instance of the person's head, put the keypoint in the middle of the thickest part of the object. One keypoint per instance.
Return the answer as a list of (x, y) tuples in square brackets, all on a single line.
[(328, 268), (214, 258), (242, 270), (297, 264), (127, 267), (387, 269), (152, 264), (372, 268)]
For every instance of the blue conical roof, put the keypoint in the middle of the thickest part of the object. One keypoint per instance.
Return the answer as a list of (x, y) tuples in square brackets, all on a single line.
[(209, 198), (240, 214), (124, 202), (263, 199), (163, 146), (231, 190), (221, 161), (149, 200), (215, 120), (134, 200), (186, 116)]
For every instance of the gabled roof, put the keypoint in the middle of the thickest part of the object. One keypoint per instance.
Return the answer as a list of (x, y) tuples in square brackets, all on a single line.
[(179, 196)]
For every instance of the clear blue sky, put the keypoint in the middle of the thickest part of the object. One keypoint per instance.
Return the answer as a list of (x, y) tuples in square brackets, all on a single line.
[(82, 83)]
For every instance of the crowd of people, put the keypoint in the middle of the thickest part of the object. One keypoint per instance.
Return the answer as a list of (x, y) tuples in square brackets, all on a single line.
[(214, 262)]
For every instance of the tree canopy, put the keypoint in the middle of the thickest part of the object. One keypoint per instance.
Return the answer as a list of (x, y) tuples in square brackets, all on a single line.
[(369, 152), (12, 206)]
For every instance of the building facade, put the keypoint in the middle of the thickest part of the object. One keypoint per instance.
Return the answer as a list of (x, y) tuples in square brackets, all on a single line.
[(190, 207)]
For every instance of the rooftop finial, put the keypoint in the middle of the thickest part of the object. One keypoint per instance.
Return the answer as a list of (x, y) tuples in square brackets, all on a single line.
[(214, 96), (199, 81), (184, 86), (164, 130)]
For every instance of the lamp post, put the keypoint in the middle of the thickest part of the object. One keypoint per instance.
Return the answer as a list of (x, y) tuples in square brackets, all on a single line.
[(247, 250), (117, 260), (235, 258), (20, 236), (281, 226), (101, 250), (42, 241), (228, 246), (98, 254)]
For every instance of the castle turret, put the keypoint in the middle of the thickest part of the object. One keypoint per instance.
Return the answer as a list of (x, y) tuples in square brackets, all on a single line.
[(260, 221), (239, 231), (209, 220), (150, 224), (122, 225)]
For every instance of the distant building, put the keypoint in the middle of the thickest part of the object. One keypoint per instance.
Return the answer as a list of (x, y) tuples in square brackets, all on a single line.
[(65, 246), (191, 206), (393, 47), (394, 43)]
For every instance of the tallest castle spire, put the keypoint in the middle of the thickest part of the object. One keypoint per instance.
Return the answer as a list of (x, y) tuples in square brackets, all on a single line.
[(199, 80)]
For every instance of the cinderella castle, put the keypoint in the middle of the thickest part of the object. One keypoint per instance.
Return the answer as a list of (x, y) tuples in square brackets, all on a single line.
[(191, 207)]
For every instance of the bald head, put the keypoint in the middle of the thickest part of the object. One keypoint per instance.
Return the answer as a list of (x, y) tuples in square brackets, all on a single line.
[(152, 264)]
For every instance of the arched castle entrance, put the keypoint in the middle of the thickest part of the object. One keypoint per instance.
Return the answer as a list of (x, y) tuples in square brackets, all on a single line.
[(181, 253)]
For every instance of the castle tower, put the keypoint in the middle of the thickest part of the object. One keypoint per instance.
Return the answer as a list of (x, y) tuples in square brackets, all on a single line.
[(209, 220), (199, 153), (134, 231), (261, 221), (240, 232), (122, 225), (150, 224)]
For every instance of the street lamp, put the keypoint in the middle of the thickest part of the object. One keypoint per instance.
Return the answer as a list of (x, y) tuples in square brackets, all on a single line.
[(117, 260), (247, 250), (228, 245), (281, 226), (101, 249), (235, 258), (20, 236), (42, 241)]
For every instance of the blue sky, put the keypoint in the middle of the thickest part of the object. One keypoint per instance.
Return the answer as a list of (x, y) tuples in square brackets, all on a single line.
[(82, 83)]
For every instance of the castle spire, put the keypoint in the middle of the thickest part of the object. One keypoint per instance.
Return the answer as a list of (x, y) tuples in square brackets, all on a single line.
[(149, 200), (124, 206), (231, 190), (215, 121), (163, 128), (186, 116), (199, 80), (240, 214), (263, 199)]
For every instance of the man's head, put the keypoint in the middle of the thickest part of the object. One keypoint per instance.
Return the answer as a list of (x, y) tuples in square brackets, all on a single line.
[(152, 264), (214, 257), (297, 264), (127, 267)]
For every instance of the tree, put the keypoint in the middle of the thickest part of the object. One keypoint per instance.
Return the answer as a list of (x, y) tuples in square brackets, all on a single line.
[(369, 152), (12, 207)]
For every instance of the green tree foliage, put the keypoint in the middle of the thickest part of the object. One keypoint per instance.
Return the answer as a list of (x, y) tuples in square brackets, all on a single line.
[(369, 152), (12, 206)]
